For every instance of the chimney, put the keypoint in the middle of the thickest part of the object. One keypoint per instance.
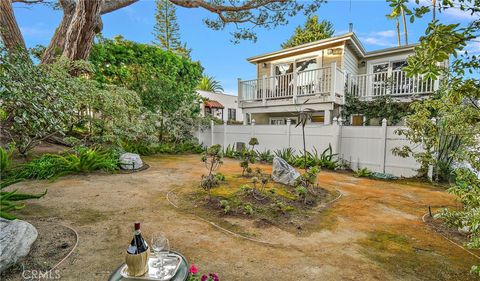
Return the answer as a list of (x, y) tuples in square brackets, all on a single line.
[(350, 27)]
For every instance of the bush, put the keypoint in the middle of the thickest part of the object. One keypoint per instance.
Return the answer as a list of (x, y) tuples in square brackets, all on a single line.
[(52, 166)]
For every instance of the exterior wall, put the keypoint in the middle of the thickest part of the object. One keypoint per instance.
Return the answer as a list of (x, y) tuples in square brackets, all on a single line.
[(360, 147), (350, 61), (228, 101), (324, 59)]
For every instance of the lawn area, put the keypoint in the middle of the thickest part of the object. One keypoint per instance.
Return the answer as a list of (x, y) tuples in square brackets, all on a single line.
[(373, 232)]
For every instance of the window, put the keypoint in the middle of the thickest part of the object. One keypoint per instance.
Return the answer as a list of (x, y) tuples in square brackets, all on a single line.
[(357, 120), (318, 119), (208, 111), (282, 120), (232, 114)]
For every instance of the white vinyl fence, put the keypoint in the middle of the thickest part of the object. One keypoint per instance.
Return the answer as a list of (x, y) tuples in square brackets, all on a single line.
[(360, 146)]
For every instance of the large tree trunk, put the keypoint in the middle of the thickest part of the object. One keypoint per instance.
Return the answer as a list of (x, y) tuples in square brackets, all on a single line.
[(9, 30), (57, 44), (85, 23)]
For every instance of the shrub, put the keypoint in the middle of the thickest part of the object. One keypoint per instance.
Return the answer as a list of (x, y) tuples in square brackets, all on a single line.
[(287, 154), (363, 172), (213, 160)]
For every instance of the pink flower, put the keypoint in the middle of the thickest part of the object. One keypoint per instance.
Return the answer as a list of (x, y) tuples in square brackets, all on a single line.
[(204, 277), (193, 269)]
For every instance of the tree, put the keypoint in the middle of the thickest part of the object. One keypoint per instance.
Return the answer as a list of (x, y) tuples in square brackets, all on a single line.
[(311, 31), (81, 20), (447, 125), (167, 30), (399, 8), (208, 83), (165, 82)]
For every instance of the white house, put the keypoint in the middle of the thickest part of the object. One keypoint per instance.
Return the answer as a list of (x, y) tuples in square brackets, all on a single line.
[(320, 74), (221, 106)]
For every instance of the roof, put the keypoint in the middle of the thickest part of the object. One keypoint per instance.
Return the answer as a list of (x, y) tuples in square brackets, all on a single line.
[(213, 104), (348, 38)]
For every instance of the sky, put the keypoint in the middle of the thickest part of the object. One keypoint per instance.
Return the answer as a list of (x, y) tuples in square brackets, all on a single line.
[(220, 57)]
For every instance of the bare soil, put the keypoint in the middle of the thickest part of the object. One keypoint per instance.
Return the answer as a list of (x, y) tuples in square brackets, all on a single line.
[(374, 232)]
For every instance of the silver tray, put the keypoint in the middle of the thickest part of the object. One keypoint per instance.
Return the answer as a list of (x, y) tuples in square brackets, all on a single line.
[(171, 262)]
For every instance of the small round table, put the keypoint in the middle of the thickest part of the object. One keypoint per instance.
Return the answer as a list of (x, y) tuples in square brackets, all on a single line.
[(181, 275)]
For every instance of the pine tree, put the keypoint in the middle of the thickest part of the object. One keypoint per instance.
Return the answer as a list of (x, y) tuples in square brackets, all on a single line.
[(167, 30), (311, 31)]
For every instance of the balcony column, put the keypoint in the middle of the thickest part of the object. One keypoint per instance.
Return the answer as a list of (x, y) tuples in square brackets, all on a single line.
[(264, 89), (245, 118), (333, 73), (327, 115), (294, 82), (239, 87)]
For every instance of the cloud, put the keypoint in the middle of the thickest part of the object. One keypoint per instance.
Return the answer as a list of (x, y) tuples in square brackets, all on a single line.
[(473, 47), (385, 33), (456, 13), (382, 38), (377, 41)]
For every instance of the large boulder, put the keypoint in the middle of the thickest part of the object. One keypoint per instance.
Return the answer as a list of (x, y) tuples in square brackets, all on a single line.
[(282, 172), (16, 238), (130, 161)]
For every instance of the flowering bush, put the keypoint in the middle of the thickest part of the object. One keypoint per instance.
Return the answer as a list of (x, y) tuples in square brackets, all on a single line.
[(195, 276)]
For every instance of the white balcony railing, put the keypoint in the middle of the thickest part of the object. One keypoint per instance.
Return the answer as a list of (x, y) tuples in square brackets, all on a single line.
[(331, 83), (321, 81), (393, 83)]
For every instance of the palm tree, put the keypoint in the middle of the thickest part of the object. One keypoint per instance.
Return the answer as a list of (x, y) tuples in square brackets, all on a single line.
[(399, 8), (208, 83)]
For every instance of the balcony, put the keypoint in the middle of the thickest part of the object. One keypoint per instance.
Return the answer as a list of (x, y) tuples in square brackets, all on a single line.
[(326, 84), (329, 84), (394, 83)]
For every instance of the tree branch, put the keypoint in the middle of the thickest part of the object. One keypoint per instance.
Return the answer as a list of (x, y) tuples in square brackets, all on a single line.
[(113, 5)]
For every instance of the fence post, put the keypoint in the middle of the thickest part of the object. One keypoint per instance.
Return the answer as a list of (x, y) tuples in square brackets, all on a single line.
[(211, 132), (252, 131), (224, 133), (289, 123), (383, 151), (336, 136), (430, 167)]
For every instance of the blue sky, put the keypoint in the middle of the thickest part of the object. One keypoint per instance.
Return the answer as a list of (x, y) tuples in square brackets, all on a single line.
[(218, 55)]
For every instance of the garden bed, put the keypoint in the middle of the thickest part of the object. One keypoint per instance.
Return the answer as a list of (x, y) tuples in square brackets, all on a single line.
[(236, 200)]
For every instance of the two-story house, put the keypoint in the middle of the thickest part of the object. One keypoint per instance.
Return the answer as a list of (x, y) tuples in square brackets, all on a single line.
[(319, 74)]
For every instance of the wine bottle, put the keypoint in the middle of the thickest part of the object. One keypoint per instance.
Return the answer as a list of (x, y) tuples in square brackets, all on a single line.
[(138, 244)]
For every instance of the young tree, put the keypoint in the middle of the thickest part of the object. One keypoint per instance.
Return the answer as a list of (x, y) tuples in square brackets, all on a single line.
[(167, 30), (81, 20), (311, 31)]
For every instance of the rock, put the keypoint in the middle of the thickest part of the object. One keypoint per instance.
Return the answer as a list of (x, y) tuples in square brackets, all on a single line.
[(16, 238), (130, 161), (282, 172)]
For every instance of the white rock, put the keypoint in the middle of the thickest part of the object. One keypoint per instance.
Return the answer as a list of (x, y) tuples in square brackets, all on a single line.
[(16, 238), (282, 172), (130, 161)]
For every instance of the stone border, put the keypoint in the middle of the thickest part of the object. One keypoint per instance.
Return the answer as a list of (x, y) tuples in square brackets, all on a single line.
[(234, 233)]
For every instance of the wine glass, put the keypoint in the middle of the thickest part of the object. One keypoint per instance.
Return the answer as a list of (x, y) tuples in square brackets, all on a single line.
[(159, 243)]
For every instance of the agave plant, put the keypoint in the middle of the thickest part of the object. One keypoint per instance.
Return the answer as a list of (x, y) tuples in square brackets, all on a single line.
[(287, 154), (266, 156), (208, 83)]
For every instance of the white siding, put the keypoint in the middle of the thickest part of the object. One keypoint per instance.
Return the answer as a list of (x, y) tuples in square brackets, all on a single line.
[(228, 101), (350, 62)]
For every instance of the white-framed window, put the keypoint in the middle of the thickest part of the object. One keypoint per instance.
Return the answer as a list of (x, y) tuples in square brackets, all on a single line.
[(232, 114), (282, 120)]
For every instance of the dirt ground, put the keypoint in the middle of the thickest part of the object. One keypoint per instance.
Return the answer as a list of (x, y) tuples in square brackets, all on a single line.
[(374, 232)]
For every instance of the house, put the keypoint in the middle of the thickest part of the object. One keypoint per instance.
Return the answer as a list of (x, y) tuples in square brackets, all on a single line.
[(221, 106), (319, 74)]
